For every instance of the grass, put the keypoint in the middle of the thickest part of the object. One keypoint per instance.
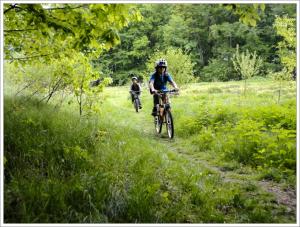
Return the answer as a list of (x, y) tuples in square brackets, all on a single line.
[(112, 168)]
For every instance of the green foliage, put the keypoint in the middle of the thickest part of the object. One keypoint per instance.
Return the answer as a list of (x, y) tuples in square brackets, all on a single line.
[(218, 70), (179, 64), (246, 64), (68, 74), (248, 14), (139, 40), (177, 25), (260, 135), (79, 82), (281, 76), (286, 27), (214, 36), (74, 176), (227, 35), (44, 31), (139, 47), (64, 169), (62, 40)]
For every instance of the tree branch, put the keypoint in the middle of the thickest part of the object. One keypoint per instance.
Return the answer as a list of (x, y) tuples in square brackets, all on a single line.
[(20, 30), (12, 6), (32, 94), (54, 89), (63, 8), (26, 86), (29, 57)]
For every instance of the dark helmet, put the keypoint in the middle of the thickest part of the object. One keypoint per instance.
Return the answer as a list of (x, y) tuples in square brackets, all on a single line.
[(134, 78), (161, 63)]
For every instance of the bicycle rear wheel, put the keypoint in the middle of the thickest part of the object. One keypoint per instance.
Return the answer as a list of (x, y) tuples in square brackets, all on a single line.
[(169, 124)]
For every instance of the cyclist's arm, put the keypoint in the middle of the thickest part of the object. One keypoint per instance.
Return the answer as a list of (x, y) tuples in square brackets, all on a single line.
[(172, 82), (151, 84), (130, 90)]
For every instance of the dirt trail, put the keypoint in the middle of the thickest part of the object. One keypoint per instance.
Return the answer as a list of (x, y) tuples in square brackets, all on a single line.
[(286, 197)]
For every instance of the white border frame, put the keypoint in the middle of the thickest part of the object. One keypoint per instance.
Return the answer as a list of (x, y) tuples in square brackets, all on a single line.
[(141, 2)]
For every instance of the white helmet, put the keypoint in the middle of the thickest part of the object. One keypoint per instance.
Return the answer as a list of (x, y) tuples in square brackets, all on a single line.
[(161, 63)]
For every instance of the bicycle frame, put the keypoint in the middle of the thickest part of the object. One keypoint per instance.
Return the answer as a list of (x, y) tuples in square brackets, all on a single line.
[(136, 99), (164, 113), (135, 95), (164, 101)]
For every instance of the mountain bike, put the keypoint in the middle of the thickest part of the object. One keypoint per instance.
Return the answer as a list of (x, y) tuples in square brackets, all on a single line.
[(136, 100), (164, 114)]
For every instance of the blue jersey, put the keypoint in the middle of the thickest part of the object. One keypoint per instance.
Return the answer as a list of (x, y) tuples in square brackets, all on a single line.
[(160, 81)]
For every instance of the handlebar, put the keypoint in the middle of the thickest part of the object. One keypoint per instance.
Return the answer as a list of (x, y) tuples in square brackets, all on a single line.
[(173, 91), (134, 91)]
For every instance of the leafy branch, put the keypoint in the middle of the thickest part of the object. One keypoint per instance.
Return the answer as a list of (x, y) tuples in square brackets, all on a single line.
[(29, 57), (66, 8)]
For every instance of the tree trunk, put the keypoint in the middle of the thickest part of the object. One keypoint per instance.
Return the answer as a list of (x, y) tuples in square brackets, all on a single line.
[(245, 85), (279, 91)]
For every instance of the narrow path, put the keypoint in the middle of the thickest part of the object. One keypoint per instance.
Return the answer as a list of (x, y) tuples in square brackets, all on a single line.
[(286, 197)]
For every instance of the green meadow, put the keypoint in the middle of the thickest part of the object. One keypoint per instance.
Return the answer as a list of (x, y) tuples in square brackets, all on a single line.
[(232, 159)]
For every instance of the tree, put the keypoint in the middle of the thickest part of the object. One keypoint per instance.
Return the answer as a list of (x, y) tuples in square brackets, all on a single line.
[(67, 37), (248, 13), (194, 31), (139, 41), (35, 31), (179, 64), (78, 79), (218, 70), (176, 33), (286, 28), (281, 77), (207, 32), (247, 64)]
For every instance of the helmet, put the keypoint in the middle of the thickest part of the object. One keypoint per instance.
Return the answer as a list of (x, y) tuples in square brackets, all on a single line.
[(134, 78), (161, 63)]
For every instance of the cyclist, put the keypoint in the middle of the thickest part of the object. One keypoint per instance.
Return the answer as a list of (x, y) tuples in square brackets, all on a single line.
[(159, 80), (135, 87)]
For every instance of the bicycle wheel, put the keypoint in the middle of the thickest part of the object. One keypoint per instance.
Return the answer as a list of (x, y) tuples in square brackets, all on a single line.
[(136, 105), (169, 124), (158, 124)]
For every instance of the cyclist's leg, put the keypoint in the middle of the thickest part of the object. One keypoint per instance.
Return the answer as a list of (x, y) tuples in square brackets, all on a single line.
[(132, 98), (155, 102)]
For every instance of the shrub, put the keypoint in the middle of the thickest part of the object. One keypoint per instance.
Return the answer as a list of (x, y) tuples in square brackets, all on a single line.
[(261, 136), (180, 65), (218, 70)]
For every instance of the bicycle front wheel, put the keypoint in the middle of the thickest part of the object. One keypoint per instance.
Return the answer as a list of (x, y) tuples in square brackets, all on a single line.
[(169, 124), (136, 105), (158, 124)]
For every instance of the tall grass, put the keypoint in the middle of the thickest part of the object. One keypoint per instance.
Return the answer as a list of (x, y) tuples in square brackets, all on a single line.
[(255, 131), (64, 169)]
